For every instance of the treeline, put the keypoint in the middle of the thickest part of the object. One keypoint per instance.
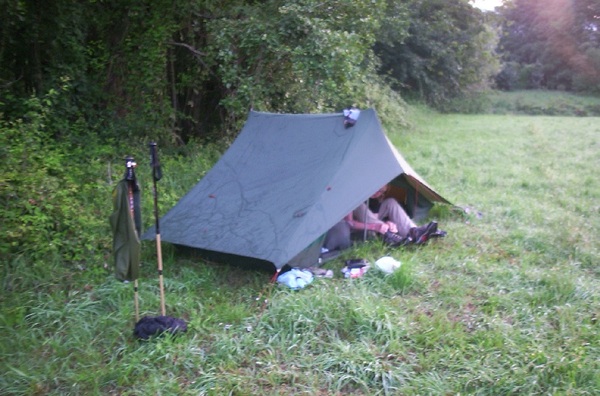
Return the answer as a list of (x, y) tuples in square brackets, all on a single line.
[(188, 69), (192, 69)]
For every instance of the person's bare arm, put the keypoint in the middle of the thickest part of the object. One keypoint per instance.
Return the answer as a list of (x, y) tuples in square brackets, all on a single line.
[(381, 228)]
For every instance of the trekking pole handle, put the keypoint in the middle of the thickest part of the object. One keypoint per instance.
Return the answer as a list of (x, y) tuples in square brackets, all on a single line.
[(156, 175), (130, 166), (154, 163)]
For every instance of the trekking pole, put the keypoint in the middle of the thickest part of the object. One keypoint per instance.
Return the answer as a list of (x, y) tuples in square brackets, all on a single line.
[(130, 177), (156, 175), (365, 220)]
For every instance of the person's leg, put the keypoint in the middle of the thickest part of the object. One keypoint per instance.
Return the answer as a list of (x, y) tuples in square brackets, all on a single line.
[(391, 210), (362, 214), (338, 237)]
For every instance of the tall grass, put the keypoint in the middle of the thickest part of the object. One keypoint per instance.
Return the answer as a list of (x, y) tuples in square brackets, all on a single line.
[(507, 303), (535, 102)]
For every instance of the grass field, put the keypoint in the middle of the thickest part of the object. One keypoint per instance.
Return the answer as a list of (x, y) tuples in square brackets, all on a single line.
[(534, 102), (507, 304)]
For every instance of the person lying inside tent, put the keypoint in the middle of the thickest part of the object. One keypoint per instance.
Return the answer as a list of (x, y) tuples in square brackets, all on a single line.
[(383, 216)]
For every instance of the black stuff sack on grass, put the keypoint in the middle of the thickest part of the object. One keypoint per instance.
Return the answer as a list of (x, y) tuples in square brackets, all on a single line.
[(148, 327)]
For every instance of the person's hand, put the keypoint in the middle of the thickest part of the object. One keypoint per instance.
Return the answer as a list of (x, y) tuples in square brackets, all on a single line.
[(382, 228), (392, 226)]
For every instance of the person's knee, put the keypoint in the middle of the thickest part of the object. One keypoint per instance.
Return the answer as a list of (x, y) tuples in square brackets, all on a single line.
[(391, 202)]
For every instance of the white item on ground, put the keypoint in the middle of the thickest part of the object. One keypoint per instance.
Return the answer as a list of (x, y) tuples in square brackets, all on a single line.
[(296, 278), (388, 264)]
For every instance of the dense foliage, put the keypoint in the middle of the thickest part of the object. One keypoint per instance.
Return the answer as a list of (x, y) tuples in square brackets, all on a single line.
[(189, 69), (447, 53), (48, 200), (553, 44)]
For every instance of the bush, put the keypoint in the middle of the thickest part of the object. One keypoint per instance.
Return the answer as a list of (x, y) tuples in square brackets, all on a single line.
[(48, 190)]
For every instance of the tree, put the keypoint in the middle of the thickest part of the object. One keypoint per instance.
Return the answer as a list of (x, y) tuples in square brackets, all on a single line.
[(551, 44), (448, 51), (290, 56)]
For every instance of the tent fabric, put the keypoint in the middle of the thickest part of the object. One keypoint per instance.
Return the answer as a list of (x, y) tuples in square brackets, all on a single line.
[(284, 182)]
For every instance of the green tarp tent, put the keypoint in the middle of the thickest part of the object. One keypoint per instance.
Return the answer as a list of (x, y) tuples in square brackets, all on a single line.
[(284, 182)]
